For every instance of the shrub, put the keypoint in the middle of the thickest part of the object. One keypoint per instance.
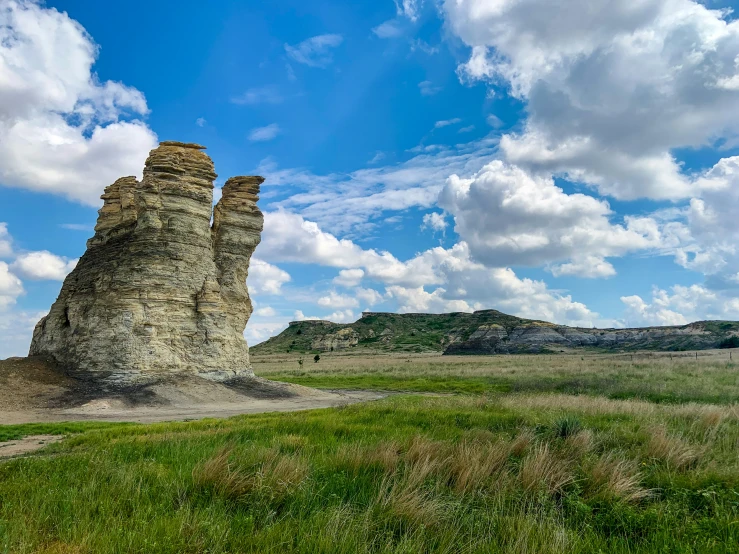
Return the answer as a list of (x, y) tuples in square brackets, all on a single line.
[(730, 342), (316, 358)]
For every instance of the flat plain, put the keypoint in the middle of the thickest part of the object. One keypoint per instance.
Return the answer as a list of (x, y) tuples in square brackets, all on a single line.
[(547, 453)]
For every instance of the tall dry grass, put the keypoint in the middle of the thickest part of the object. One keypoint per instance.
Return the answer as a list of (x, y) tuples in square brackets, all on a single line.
[(543, 470), (613, 478), (674, 451)]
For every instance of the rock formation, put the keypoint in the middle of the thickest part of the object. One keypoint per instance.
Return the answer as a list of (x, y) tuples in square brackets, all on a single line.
[(160, 290)]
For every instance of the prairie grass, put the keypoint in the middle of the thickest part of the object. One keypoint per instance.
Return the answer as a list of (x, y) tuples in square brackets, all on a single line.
[(544, 471), (613, 478), (655, 377)]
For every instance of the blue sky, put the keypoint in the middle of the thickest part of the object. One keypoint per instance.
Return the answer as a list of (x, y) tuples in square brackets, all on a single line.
[(576, 162)]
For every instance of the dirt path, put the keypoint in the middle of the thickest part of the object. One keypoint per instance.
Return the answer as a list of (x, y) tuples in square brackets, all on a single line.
[(32, 391), (115, 410)]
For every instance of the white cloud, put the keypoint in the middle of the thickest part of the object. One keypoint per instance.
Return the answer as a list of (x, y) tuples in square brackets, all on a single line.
[(11, 287), (267, 311), (265, 278), (683, 305), (43, 265), (77, 227), (446, 123), (591, 267), (200, 122), (408, 8), (16, 330), (268, 94), (591, 116), (348, 202), (428, 88), (349, 277), (438, 279), (434, 221), (510, 217), (6, 243), (315, 51), (263, 134), (466, 129), (494, 121), (63, 131), (388, 29), (335, 300)]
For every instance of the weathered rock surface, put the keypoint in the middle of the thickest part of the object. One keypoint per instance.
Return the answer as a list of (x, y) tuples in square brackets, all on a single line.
[(160, 290), (341, 340)]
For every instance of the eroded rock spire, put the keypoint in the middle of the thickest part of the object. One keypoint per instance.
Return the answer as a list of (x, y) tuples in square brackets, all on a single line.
[(159, 290)]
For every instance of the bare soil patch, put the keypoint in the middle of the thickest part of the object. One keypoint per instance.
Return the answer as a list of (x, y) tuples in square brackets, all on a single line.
[(35, 390), (27, 445)]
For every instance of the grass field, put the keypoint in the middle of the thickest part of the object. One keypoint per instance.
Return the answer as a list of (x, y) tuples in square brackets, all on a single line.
[(506, 454)]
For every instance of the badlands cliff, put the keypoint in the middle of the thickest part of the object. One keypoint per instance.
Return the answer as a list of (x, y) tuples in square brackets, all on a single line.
[(489, 332), (160, 289)]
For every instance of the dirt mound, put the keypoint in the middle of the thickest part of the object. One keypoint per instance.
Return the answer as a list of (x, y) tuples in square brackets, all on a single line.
[(35, 390)]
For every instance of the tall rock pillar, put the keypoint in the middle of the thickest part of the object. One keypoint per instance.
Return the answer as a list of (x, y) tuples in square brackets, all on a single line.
[(152, 296)]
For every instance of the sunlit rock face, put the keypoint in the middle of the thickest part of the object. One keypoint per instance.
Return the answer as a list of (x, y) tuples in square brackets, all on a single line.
[(160, 290)]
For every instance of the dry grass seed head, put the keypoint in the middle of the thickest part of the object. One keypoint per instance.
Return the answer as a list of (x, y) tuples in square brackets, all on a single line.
[(276, 474), (473, 462), (218, 474), (357, 457), (672, 450), (614, 478), (580, 443), (521, 443), (542, 469), (423, 449), (408, 501)]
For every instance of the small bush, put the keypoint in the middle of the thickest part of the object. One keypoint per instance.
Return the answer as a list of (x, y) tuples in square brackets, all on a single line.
[(316, 358)]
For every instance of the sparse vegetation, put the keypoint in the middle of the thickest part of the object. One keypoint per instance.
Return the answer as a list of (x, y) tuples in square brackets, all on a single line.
[(550, 466)]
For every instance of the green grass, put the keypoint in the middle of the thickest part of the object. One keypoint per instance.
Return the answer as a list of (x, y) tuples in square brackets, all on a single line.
[(713, 378), (532, 470)]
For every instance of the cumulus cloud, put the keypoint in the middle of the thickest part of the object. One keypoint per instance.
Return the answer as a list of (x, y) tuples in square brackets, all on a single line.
[(349, 277), (591, 267), (16, 330), (265, 278), (316, 51), (438, 279), (266, 133), (511, 217), (267, 311), (591, 116), (43, 265), (11, 287), (434, 221), (6, 247), (63, 131), (680, 306)]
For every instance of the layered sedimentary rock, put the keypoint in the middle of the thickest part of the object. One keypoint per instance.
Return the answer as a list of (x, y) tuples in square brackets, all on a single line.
[(160, 290)]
